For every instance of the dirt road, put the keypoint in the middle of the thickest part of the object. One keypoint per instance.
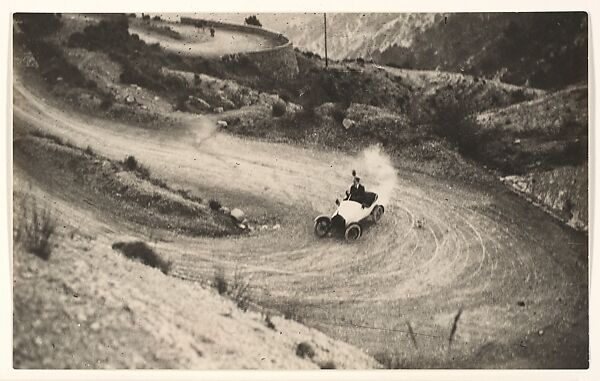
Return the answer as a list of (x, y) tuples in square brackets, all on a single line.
[(198, 41), (518, 276)]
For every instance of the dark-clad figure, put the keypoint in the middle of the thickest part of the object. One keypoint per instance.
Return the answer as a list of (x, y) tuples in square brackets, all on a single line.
[(356, 192)]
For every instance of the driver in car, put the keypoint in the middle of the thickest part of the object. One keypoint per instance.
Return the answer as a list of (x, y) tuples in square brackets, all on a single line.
[(356, 192)]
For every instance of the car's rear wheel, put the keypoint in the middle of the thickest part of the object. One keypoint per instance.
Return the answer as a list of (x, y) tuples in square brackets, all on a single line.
[(353, 232), (377, 213), (322, 226)]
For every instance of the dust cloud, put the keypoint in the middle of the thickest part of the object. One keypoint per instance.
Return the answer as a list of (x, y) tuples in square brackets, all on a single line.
[(377, 174)]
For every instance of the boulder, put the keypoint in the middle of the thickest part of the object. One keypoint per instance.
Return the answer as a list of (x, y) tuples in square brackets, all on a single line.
[(227, 104), (348, 123), (237, 214), (202, 103)]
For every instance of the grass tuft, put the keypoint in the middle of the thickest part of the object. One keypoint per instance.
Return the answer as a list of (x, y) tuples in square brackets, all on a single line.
[(36, 229)]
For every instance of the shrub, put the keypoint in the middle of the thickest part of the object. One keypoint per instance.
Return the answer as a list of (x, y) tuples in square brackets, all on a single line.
[(37, 25), (269, 323), (220, 282), (35, 229), (252, 20), (214, 205), (239, 290), (291, 311), (305, 350), (278, 108), (131, 164), (53, 64), (141, 251)]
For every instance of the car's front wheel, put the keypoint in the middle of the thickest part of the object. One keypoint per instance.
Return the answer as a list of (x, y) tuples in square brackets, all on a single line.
[(353, 232), (322, 226)]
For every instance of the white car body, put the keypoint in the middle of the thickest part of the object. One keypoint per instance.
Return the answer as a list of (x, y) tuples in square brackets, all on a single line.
[(353, 211), (348, 217)]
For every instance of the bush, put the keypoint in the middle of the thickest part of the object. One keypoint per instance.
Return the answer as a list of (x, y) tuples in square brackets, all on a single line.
[(140, 250), (38, 25), (35, 229), (328, 365), (214, 205), (305, 350), (131, 164), (220, 282), (239, 290), (53, 64), (278, 108), (252, 20)]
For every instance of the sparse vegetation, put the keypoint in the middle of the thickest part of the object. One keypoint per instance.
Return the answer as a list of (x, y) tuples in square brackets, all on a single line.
[(238, 288), (139, 250), (252, 20), (278, 108), (131, 164), (214, 205), (305, 350), (220, 281), (327, 365), (268, 322), (35, 228)]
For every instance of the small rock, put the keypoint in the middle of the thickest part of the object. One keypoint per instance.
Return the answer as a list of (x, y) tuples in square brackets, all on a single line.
[(237, 214), (218, 110), (156, 98), (276, 227), (222, 124), (264, 227), (348, 123), (144, 107), (517, 141), (224, 210), (130, 99), (541, 332), (38, 341), (58, 79), (95, 326), (241, 226)]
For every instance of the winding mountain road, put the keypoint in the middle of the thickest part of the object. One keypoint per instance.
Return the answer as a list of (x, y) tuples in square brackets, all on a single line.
[(519, 278)]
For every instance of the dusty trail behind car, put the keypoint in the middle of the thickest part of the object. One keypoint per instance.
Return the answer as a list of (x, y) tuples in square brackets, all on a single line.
[(441, 247)]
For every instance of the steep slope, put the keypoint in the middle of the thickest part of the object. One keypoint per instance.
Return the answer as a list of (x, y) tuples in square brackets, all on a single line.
[(552, 55)]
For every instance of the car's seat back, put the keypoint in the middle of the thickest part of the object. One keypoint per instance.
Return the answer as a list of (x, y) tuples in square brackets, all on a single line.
[(370, 198)]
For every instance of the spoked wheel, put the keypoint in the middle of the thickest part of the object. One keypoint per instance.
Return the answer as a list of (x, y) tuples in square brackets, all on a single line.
[(353, 232), (322, 227), (377, 213)]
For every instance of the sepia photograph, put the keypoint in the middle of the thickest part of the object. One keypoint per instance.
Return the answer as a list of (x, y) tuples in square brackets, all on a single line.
[(296, 191)]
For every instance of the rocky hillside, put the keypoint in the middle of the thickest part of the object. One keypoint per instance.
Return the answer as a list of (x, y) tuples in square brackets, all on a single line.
[(553, 55)]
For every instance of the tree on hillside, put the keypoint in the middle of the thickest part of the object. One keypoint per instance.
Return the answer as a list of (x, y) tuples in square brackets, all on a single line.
[(252, 20)]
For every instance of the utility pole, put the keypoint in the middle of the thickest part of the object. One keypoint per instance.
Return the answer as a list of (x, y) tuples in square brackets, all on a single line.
[(325, 24)]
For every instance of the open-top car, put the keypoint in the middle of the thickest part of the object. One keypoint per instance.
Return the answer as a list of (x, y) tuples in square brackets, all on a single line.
[(349, 217)]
